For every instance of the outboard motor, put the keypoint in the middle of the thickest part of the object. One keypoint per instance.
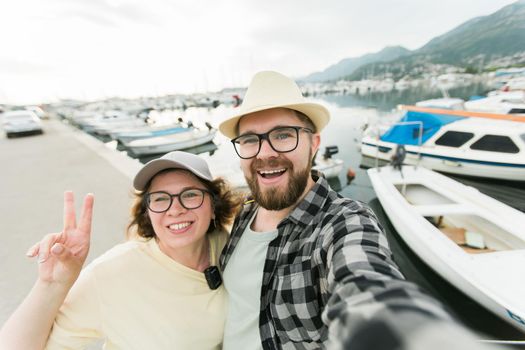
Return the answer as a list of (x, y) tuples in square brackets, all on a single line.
[(399, 157), (329, 151)]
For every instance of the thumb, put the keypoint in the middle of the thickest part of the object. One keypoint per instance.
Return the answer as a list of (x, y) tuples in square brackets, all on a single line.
[(60, 251)]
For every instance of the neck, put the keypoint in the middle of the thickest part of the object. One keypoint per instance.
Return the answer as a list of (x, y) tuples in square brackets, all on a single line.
[(196, 256), (267, 220)]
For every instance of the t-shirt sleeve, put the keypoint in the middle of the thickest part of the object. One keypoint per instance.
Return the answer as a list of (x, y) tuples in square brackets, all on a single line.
[(78, 322)]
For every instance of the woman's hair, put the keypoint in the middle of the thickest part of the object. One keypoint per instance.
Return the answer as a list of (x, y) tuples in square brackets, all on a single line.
[(225, 204)]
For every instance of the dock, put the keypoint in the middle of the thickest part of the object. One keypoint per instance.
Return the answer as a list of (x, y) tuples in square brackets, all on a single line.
[(35, 172)]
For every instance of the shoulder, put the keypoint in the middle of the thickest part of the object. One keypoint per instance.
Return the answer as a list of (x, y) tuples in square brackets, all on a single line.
[(339, 208), (344, 218)]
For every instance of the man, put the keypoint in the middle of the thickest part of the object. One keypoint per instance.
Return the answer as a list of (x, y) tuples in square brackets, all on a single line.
[(306, 268)]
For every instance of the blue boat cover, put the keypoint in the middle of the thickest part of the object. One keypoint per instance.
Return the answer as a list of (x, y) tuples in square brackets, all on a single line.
[(408, 134)]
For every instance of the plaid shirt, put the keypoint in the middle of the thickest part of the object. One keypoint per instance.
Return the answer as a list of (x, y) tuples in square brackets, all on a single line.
[(328, 273)]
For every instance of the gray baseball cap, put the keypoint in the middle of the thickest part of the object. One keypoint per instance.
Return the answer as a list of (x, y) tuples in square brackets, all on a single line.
[(172, 160)]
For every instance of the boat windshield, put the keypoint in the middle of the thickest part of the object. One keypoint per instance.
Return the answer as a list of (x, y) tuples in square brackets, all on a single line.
[(407, 131)]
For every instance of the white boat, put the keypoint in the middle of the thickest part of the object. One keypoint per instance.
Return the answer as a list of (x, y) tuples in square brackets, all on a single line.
[(444, 103), (452, 142), (128, 135), (164, 144), (473, 241), (502, 102), (105, 128), (329, 166), (105, 119)]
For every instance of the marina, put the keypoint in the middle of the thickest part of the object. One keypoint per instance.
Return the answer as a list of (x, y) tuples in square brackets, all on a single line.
[(346, 128)]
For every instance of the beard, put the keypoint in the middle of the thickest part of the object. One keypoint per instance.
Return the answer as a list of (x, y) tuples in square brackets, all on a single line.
[(273, 198)]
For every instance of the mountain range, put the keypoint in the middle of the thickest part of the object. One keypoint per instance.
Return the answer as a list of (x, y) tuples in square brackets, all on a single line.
[(481, 43)]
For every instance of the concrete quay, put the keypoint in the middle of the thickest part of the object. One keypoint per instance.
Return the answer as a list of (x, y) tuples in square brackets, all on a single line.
[(34, 173)]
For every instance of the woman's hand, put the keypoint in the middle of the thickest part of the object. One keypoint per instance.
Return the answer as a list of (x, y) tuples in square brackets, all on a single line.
[(62, 255)]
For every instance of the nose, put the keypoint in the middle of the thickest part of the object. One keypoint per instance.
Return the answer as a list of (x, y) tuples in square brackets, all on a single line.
[(176, 208), (266, 150)]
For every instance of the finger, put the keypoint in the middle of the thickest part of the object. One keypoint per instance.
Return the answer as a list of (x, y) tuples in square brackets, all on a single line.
[(33, 251), (60, 251), (69, 211), (87, 214), (45, 246)]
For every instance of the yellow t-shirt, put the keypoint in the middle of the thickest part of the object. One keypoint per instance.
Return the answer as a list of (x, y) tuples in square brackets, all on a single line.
[(136, 297)]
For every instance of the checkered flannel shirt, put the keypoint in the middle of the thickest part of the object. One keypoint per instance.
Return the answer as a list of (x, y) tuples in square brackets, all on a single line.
[(328, 274)]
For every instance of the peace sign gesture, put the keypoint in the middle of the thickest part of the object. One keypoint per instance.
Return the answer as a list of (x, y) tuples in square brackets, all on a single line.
[(61, 255)]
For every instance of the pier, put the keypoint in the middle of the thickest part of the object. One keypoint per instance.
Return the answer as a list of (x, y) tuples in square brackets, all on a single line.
[(35, 172)]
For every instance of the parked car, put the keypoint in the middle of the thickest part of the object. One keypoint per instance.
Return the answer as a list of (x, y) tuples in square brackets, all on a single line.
[(38, 111), (21, 122)]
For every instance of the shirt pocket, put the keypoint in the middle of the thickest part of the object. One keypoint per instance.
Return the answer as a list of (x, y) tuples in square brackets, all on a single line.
[(295, 304)]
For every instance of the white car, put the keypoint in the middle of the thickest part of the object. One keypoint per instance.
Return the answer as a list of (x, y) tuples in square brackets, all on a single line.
[(21, 122), (38, 111)]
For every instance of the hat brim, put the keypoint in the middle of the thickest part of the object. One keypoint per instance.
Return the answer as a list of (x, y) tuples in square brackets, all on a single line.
[(155, 166), (317, 113)]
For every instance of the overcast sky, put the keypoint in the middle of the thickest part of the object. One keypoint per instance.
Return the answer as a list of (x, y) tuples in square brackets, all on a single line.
[(91, 49)]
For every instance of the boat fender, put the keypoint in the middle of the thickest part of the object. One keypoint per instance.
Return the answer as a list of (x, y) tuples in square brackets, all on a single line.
[(350, 176)]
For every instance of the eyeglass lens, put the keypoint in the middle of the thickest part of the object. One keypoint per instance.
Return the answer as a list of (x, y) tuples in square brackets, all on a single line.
[(161, 201), (283, 139)]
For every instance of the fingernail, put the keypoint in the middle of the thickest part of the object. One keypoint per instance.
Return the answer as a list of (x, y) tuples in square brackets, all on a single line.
[(30, 253), (42, 258)]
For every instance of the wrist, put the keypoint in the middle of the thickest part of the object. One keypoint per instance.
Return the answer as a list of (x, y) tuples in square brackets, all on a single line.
[(53, 286)]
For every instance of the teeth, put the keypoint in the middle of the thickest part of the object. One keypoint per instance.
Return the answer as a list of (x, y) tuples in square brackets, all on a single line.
[(179, 226), (271, 171)]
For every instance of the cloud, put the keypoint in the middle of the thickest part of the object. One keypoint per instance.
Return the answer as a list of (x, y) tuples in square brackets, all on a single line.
[(108, 13), (12, 66)]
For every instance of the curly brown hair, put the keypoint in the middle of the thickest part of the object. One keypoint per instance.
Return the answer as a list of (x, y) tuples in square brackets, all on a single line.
[(225, 202)]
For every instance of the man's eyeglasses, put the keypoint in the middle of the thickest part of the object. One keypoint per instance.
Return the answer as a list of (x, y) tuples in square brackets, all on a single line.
[(282, 139), (160, 201)]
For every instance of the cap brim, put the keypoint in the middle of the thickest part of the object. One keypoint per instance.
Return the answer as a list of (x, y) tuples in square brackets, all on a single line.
[(155, 166)]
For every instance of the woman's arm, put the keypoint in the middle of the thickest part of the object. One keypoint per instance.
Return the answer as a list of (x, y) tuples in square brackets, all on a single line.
[(60, 259)]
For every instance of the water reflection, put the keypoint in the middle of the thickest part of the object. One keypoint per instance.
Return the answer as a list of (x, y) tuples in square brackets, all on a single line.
[(386, 101)]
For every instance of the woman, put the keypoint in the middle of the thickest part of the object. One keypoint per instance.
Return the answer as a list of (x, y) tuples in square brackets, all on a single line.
[(148, 293)]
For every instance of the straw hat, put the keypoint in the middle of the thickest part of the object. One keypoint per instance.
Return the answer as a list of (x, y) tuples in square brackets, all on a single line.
[(273, 90)]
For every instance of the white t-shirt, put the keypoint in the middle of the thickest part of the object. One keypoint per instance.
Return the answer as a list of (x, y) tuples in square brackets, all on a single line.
[(136, 297), (243, 281)]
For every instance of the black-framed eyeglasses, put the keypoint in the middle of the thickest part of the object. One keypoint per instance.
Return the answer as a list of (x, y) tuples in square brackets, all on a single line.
[(161, 201), (281, 139)]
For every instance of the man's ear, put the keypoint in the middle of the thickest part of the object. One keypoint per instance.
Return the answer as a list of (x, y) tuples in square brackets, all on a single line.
[(316, 141)]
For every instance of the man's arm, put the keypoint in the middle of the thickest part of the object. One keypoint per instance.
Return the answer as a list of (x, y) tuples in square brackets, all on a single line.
[(371, 305)]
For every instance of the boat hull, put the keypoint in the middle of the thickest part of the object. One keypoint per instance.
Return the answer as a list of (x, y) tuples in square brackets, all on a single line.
[(175, 142), (490, 278), (431, 158)]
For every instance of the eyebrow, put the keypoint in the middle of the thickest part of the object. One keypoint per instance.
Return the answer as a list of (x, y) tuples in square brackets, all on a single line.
[(275, 127)]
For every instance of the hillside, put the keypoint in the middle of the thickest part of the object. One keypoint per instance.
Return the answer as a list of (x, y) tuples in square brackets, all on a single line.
[(347, 66), (476, 44), (487, 42)]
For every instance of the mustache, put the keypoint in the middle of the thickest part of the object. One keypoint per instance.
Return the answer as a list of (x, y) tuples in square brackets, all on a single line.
[(272, 163)]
